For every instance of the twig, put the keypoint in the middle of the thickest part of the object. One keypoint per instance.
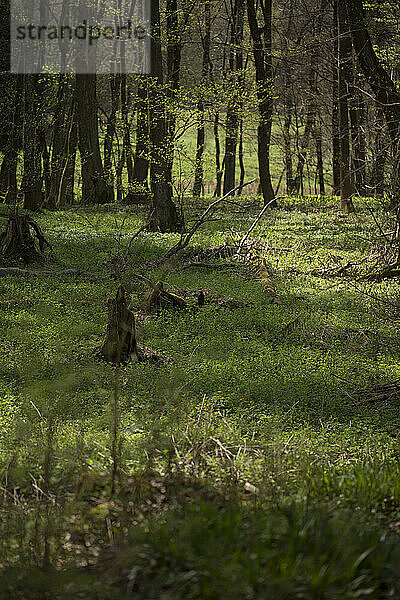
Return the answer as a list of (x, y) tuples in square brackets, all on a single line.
[(185, 239), (136, 234), (256, 220)]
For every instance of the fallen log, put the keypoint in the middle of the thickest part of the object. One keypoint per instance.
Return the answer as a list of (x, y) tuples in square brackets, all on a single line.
[(157, 297)]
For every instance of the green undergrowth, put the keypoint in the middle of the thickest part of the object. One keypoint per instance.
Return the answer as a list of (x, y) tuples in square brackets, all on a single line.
[(249, 461)]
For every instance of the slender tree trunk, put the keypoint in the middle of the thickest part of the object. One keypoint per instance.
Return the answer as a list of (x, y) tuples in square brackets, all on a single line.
[(356, 112), (335, 105), (111, 127), (219, 168), (62, 164), (345, 60), (127, 147), (379, 156), (141, 164), (199, 170), (287, 147), (235, 89), (241, 158), (305, 140), (320, 160), (95, 188)]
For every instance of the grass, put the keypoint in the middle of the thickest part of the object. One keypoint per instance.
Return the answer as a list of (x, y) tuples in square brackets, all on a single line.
[(248, 465)]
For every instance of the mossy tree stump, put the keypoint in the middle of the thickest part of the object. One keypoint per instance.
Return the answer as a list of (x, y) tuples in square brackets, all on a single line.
[(17, 242), (120, 342)]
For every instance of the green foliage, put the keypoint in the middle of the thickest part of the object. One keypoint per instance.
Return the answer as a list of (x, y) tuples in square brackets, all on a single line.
[(254, 393)]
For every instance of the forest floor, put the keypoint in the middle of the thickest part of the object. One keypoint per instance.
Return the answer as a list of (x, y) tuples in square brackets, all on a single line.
[(259, 459)]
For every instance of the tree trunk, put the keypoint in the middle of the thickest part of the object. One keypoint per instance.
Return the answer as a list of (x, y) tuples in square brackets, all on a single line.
[(199, 171), (219, 169), (8, 172), (111, 126), (32, 179), (335, 105), (264, 77), (95, 187), (241, 158), (356, 111), (380, 155), (345, 60), (382, 85), (62, 164), (320, 160), (287, 148), (140, 193), (164, 215)]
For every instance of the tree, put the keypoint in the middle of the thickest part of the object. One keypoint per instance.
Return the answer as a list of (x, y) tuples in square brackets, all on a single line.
[(383, 87), (95, 187), (164, 215), (262, 46), (345, 58)]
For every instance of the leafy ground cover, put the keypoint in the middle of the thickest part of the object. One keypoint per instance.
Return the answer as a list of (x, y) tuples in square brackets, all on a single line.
[(250, 463)]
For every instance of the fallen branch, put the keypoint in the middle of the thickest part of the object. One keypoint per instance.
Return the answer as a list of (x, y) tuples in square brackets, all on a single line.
[(185, 238), (194, 265)]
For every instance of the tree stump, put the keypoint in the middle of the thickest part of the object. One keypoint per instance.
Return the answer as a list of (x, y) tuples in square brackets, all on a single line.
[(160, 298), (17, 241), (120, 341)]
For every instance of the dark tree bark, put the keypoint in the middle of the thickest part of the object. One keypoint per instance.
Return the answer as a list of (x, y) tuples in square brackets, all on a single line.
[(320, 159), (305, 140), (199, 171), (17, 242), (127, 148), (335, 105), (218, 167), (141, 163), (262, 46), (241, 158), (8, 171), (379, 155), (62, 165), (164, 215), (32, 179), (95, 187), (386, 94), (235, 84), (120, 341), (345, 62), (357, 109), (111, 126), (287, 146)]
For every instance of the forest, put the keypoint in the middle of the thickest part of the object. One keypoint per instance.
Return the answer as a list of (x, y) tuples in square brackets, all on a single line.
[(200, 303)]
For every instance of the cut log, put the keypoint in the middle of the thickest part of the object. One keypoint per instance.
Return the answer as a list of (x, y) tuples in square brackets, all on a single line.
[(120, 341), (17, 242)]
